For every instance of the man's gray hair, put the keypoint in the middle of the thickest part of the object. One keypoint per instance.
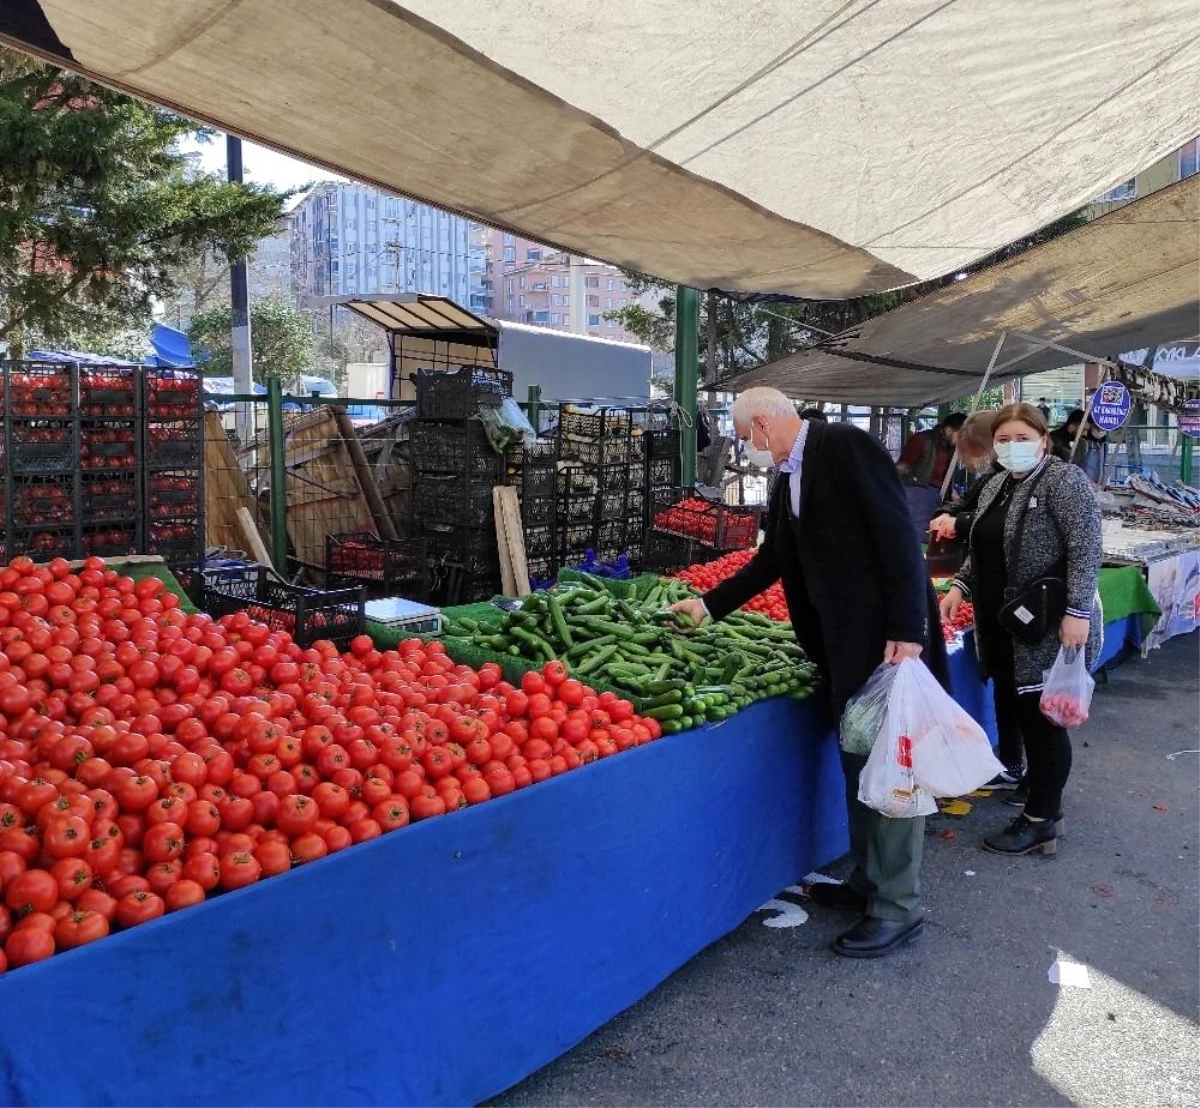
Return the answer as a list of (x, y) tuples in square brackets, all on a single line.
[(761, 402)]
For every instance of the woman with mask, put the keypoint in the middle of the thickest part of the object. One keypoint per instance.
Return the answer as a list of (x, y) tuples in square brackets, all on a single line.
[(1038, 520), (975, 453)]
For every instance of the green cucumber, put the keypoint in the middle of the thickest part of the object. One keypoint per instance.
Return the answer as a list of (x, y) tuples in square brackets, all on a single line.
[(666, 712)]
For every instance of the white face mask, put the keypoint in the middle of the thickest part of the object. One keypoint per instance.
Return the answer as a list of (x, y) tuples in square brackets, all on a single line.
[(757, 455), (1018, 457)]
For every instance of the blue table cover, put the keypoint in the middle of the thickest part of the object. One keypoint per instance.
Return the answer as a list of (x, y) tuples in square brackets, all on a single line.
[(445, 962), (1119, 636)]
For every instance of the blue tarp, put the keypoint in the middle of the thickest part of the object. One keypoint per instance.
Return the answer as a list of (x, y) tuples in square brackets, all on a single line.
[(443, 963)]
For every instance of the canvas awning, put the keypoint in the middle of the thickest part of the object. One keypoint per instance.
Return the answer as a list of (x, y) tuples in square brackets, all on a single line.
[(1127, 280), (417, 315), (822, 149)]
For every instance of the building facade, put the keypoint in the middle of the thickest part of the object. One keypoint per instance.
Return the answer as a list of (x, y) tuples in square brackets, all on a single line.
[(1185, 162), (348, 238), (529, 282)]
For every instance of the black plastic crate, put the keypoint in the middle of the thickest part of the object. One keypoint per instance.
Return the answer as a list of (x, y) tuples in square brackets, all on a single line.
[(108, 392), (539, 541), (577, 508), (175, 538), (108, 499), (472, 550), (577, 536), (541, 570), (173, 493), (110, 541), (723, 526), (451, 501), (385, 566), (39, 390), (662, 471), (169, 394), (461, 449), (43, 446), (604, 452), (108, 447), (613, 533), (667, 553), (176, 443), (612, 504), (306, 614), (43, 501), (576, 425), (535, 510), (458, 394), (43, 543), (190, 578)]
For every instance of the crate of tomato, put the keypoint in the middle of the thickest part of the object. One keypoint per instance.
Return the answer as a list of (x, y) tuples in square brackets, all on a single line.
[(305, 614), (385, 566), (721, 526)]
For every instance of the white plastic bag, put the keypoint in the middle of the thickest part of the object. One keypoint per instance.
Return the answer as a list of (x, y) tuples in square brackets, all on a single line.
[(1067, 691), (864, 715), (929, 746)]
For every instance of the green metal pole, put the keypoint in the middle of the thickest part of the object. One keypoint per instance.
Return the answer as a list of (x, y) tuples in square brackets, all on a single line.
[(687, 361), (535, 408), (279, 544), (1185, 460)]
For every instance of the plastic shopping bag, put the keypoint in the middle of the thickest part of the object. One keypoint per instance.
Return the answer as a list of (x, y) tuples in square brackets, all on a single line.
[(886, 783), (863, 717), (1067, 691), (929, 746)]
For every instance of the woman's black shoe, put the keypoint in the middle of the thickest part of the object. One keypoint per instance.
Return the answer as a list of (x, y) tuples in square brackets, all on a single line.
[(1023, 836), (873, 938), (1018, 797)]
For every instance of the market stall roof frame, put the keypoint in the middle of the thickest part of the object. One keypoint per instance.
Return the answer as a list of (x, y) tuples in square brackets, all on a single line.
[(823, 150), (1127, 280), (416, 315)]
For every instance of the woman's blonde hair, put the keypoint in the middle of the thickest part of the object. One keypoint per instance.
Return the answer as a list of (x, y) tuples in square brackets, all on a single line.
[(976, 434)]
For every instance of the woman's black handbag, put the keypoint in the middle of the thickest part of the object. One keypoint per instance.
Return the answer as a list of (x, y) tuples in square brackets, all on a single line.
[(1031, 613)]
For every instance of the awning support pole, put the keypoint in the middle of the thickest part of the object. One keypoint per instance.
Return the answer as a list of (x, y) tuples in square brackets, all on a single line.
[(687, 353), (987, 374), (279, 545)]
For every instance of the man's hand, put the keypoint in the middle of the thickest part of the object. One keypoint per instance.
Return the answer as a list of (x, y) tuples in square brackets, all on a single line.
[(895, 652), (695, 611), (942, 527)]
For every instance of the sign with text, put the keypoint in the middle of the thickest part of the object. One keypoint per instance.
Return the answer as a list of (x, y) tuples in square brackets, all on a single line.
[(1189, 419), (1111, 406)]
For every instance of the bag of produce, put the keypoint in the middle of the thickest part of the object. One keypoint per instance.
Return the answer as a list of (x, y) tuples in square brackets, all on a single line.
[(1068, 688), (863, 717), (929, 746)]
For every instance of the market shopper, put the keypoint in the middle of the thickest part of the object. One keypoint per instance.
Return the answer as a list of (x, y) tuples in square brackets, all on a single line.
[(839, 535), (1038, 520), (1089, 453), (923, 463)]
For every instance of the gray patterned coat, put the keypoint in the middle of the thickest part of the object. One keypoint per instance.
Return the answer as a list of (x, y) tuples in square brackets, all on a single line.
[(1062, 509)]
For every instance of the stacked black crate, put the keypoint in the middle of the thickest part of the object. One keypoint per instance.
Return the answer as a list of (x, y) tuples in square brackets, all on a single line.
[(41, 487), (110, 456), (662, 475), (532, 470), (454, 470), (602, 487), (172, 445)]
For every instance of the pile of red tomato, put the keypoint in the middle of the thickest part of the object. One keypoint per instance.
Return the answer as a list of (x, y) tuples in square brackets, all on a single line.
[(150, 758), (716, 524), (708, 575)]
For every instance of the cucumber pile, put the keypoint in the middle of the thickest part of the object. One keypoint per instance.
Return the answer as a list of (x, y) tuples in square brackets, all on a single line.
[(619, 635)]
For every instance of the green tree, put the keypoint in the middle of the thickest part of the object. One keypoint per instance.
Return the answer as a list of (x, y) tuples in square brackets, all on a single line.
[(99, 211), (281, 341)]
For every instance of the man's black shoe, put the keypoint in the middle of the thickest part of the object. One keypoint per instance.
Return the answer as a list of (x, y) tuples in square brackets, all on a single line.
[(839, 895), (873, 938)]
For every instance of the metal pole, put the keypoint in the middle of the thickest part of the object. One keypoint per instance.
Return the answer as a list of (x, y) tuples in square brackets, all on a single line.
[(687, 353), (279, 541), (987, 373), (1185, 458), (239, 298), (535, 408)]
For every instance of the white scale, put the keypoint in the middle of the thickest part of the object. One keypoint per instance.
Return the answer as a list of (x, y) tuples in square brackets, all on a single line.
[(396, 613)]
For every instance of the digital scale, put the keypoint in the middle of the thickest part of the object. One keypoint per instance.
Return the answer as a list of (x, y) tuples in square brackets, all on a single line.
[(398, 614)]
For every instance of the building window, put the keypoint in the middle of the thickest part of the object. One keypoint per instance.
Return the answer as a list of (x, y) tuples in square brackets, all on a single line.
[(1125, 191), (554, 281), (593, 301), (510, 254), (1189, 159), (555, 301), (555, 318), (593, 282), (508, 240), (608, 303), (533, 255), (567, 301), (521, 281), (593, 321), (609, 284), (522, 301), (622, 303)]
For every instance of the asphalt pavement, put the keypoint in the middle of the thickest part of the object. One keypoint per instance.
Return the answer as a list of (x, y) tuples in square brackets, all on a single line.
[(966, 1016)]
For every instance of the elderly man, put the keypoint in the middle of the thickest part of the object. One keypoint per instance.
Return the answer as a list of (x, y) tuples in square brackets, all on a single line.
[(839, 535)]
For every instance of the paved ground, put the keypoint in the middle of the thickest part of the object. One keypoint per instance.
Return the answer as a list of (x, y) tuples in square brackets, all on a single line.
[(967, 1016)]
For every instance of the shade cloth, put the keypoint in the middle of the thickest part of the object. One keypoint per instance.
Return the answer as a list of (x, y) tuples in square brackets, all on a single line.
[(824, 149)]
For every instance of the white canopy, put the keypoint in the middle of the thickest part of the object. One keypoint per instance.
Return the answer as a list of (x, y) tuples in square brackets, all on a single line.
[(828, 148), (1127, 280)]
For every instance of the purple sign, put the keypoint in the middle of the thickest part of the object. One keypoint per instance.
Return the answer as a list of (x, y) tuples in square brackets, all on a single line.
[(1189, 419), (1111, 405)]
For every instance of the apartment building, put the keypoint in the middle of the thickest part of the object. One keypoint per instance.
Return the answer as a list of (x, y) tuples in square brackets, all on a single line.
[(349, 238), (529, 282), (1185, 162)]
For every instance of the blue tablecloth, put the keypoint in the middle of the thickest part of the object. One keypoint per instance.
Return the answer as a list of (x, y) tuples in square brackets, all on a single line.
[(445, 962), (1119, 636)]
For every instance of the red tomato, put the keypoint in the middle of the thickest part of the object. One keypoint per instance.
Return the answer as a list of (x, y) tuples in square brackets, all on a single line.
[(239, 870), (139, 907), (28, 945)]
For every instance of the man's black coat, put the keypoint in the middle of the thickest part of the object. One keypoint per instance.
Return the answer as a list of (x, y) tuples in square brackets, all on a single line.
[(850, 563)]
